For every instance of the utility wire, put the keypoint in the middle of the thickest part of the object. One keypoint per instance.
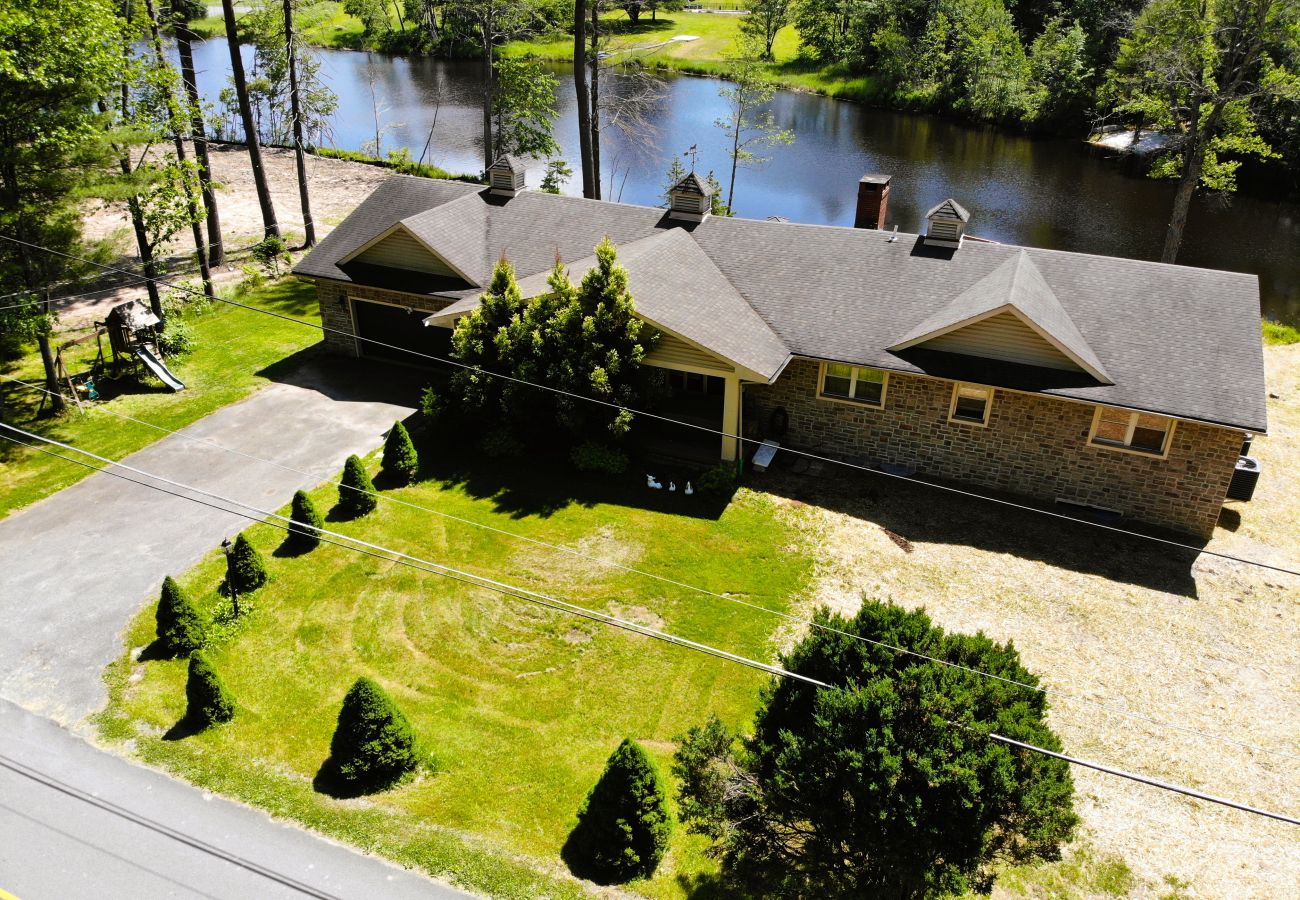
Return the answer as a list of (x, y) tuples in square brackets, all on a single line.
[(48, 781), (395, 556), (717, 431), (1037, 688)]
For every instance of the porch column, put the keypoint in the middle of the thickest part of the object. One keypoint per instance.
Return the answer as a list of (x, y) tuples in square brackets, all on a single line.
[(730, 417)]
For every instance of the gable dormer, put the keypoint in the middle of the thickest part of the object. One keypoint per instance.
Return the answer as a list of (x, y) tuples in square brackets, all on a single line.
[(690, 199), (400, 248), (1010, 314), (506, 176), (946, 224)]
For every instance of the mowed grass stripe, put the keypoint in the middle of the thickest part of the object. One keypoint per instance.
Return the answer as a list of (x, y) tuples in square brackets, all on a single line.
[(520, 704)]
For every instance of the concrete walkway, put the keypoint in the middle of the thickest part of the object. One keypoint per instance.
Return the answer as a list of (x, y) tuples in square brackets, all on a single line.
[(76, 566), (77, 822)]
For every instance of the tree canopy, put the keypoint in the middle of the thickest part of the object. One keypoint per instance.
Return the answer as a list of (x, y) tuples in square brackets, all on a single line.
[(884, 785), (580, 339)]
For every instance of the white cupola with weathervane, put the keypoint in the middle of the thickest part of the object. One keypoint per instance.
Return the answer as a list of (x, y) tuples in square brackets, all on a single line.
[(946, 224), (506, 176), (690, 199)]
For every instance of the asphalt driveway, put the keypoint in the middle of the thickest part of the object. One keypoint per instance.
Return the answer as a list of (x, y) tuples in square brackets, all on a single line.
[(76, 566)]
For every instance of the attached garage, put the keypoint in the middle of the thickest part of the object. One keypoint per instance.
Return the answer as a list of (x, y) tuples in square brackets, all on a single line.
[(398, 327)]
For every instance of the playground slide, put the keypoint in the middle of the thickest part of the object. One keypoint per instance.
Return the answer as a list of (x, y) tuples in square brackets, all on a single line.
[(156, 366)]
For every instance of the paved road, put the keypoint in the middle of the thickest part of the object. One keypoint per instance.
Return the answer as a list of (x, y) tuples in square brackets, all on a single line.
[(58, 840), (77, 565)]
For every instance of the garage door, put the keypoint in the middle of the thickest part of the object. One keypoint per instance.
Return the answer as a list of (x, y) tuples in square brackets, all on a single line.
[(395, 326)]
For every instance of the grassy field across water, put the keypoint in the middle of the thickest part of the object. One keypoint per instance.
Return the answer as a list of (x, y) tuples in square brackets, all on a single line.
[(519, 705)]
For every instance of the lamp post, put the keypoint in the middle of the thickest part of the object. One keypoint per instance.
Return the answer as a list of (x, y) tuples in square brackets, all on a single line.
[(226, 546)]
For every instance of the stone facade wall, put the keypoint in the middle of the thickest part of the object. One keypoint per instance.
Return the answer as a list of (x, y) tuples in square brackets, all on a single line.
[(1033, 446), (336, 312)]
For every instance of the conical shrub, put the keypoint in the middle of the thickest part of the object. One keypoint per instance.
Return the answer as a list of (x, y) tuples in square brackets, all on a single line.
[(357, 493), (305, 536), (624, 825), (247, 568), (207, 700), (401, 463), (374, 744), (181, 628)]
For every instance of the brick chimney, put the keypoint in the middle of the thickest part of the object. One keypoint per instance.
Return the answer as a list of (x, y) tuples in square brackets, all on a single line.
[(873, 201)]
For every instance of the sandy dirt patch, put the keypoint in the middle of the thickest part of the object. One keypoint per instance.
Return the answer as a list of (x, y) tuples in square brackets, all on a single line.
[(337, 187), (1208, 645)]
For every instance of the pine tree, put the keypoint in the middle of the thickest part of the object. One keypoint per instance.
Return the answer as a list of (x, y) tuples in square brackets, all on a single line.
[(373, 744), (247, 569), (624, 825), (307, 535), (180, 627), (357, 494), (207, 700), (400, 460)]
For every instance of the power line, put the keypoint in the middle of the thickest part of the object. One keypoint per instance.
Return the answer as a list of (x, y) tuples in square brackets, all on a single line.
[(716, 431), (122, 812), (1037, 688), (395, 556)]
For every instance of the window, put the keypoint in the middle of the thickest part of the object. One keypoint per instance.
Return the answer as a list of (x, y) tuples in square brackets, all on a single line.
[(1136, 431), (841, 382), (970, 404)]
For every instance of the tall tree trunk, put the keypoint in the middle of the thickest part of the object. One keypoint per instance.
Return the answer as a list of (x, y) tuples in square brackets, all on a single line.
[(595, 99), (216, 246), (583, 94), (175, 122), (30, 279), (485, 34), (147, 259), (735, 161), (1198, 137), (295, 107), (271, 227), (137, 217)]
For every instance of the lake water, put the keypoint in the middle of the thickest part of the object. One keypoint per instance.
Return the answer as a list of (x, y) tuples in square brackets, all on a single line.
[(1043, 193)]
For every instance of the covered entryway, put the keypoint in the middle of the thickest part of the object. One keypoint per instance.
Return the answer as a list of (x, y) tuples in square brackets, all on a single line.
[(400, 327), (705, 391)]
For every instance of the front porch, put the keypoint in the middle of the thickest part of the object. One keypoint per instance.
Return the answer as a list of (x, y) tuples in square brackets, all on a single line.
[(710, 402)]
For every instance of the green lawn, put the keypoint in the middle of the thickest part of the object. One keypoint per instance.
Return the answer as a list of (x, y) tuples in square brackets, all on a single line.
[(649, 43), (232, 347), (520, 705)]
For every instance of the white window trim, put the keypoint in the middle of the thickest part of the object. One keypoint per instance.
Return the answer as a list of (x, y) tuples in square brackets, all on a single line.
[(988, 407), (1128, 434), (853, 382)]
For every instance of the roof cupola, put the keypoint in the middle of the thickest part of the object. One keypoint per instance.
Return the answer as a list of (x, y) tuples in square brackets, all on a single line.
[(506, 176), (946, 224), (690, 199)]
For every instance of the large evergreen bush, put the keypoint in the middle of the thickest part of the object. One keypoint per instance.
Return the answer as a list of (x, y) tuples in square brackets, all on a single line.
[(207, 700), (400, 461), (305, 536), (247, 568), (357, 493), (885, 785), (180, 627), (374, 744), (624, 825)]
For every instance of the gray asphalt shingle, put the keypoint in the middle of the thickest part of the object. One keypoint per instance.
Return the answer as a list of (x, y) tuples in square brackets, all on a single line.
[(1175, 340)]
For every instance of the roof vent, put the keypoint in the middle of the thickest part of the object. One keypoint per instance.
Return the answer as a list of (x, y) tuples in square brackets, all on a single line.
[(873, 201), (506, 177), (690, 199), (947, 224)]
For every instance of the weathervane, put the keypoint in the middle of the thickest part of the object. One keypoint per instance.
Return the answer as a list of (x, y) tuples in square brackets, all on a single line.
[(693, 152)]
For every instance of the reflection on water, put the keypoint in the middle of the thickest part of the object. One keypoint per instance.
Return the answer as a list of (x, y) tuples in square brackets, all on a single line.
[(1045, 193)]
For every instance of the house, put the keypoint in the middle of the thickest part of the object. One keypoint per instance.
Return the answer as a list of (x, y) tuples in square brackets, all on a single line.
[(1105, 383)]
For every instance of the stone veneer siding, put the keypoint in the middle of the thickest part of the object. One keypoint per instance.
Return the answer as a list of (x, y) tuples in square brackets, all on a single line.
[(1034, 446), (336, 311)]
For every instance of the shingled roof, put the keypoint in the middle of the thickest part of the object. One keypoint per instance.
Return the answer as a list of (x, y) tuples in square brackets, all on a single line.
[(1175, 340)]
